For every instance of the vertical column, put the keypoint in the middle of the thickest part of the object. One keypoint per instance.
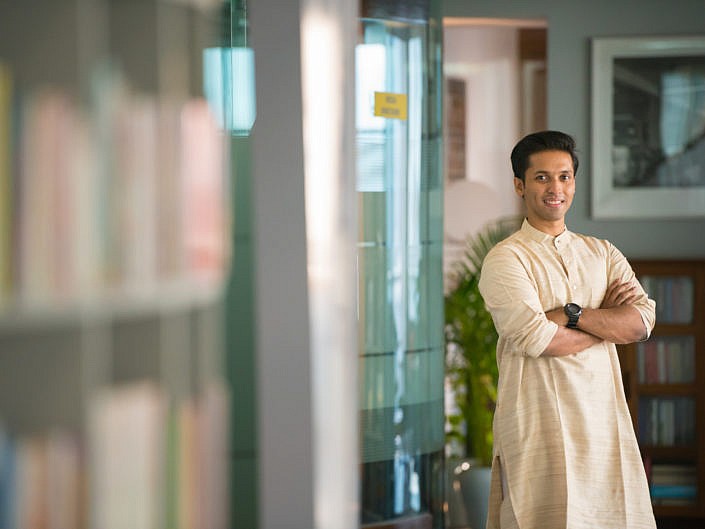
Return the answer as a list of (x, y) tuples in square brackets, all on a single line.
[(283, 360), (304, 255)]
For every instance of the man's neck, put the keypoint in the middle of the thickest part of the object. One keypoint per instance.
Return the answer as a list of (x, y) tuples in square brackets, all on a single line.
[(552, 228)]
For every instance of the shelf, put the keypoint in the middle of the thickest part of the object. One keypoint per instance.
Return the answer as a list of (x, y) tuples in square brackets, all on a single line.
[(667, 390), (692, 511), (674, 329), (171, 297), (671, 453)]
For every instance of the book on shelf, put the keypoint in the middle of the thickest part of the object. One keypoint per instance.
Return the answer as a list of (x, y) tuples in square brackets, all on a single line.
[(46, 218), (673, 474), (202, 167), (674, 297), (671, 484), (666, 360), (124, 194), (135, 192), (8, 496), (126, 440), (666, 421), (673, 491), (65, 475), (213, 426), (6, 181), (686, 492), (158, 463), (151, 463), (41, 481)]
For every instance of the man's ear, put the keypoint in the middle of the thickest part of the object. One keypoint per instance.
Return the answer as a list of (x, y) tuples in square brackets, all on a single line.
[(519, 187)]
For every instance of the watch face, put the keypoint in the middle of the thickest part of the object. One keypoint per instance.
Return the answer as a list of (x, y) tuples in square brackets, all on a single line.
[(572, 309)]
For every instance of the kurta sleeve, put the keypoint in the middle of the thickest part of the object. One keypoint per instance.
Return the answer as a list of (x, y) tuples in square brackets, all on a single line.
[(512, 299), (619, 268)]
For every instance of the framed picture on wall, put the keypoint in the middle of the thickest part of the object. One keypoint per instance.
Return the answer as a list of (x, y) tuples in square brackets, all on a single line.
[(648, 127)]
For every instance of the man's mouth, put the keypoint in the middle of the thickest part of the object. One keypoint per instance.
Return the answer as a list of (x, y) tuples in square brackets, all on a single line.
[(553, 202)]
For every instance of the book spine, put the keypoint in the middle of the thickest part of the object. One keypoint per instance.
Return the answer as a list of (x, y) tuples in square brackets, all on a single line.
[(6, 184)]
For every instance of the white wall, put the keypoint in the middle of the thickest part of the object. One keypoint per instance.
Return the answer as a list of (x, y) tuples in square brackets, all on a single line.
[(486, 57)]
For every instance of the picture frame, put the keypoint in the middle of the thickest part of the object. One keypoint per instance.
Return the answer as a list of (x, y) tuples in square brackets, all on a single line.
[(648, 127)]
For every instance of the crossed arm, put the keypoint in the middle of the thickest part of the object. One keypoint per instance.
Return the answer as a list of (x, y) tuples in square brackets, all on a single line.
[(616, 321)]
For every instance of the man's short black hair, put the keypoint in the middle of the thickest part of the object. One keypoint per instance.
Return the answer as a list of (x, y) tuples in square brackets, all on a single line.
[(547, 140)]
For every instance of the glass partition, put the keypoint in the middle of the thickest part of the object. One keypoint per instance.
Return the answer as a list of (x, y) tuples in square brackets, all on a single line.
[(399, 188)]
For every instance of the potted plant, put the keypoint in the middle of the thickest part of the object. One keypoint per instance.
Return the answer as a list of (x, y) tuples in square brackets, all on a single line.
[(471, 369)]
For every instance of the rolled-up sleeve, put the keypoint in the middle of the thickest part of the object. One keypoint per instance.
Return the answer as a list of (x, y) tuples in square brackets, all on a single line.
[(621, 270), (513, 301)]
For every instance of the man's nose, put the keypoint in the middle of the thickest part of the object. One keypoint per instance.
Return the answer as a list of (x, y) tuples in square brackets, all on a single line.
[(554, 185)]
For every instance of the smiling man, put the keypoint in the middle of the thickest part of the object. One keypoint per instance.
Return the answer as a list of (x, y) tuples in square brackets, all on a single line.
[(565, 453)]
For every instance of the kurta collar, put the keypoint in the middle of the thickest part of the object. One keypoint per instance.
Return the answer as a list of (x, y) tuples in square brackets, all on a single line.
[(541, 237)]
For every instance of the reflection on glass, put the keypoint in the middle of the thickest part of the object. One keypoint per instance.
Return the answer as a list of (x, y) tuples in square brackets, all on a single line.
[(229, 86), (400, 283)]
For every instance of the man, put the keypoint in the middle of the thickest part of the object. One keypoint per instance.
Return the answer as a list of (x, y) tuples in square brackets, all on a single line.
[(565, 452)]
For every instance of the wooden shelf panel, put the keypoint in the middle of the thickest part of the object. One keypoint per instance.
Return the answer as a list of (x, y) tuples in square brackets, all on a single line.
[(693, 510), (667, 390), (686, 453), (675, 329)]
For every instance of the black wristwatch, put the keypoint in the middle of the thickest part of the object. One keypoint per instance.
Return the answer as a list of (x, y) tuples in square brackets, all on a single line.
[(573, 311)]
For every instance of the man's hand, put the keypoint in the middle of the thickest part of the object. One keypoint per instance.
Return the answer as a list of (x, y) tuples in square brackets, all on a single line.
[(619, 293)]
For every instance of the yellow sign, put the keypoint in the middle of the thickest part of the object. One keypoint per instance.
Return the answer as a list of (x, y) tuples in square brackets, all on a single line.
[(388, 105)]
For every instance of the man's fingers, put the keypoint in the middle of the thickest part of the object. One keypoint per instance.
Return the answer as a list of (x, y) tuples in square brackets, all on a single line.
[(620, 293), (625, 293)]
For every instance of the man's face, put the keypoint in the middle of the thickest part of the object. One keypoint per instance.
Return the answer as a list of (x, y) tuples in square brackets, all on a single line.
[(548, 189)]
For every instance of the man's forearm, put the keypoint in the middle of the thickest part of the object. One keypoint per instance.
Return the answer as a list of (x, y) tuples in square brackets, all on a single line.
[(618, 325), (570, 341), (622, 324)]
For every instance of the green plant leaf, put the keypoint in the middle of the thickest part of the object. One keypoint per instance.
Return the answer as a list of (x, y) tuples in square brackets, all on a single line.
[(471, 340)]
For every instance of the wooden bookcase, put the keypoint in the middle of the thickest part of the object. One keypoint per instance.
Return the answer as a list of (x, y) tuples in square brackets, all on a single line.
[(664, 379)]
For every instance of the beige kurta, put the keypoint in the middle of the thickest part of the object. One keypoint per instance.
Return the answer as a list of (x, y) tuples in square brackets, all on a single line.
[(563, 437)]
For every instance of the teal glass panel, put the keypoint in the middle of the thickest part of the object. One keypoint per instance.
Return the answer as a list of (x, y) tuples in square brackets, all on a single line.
[(400, 193), (424, 296), (379, 335)]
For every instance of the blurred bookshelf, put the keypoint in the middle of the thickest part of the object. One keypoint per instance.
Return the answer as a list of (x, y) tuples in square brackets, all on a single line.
[(664, 384), (114, 251)]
